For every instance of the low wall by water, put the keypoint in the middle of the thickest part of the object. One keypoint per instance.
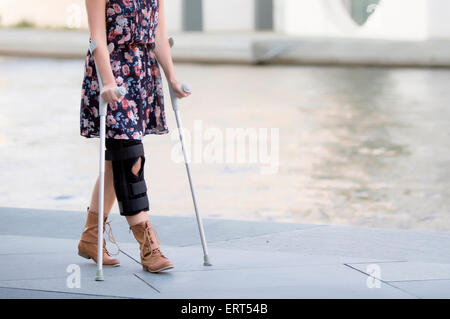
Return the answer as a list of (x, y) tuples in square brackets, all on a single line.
[(250, 48)]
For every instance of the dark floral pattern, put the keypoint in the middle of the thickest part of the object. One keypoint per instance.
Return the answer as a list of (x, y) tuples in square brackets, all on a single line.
[(131, 26)]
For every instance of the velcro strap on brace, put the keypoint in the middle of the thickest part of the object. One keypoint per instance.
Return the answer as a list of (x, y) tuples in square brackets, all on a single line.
[(138, 188), (125, 153), (137, 204)]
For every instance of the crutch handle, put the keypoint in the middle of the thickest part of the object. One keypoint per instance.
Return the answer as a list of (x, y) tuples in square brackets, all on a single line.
[(186, 88), (174, 98), (120, 91)]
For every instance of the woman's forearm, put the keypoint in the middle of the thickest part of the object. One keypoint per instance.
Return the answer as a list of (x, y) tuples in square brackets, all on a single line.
[(97, 28), (163, 51)]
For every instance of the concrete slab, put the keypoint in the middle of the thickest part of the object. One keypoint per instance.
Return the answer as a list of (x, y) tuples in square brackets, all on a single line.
[(252, 260), (47, 272), (363, 242), (191, 258), (310, 281), (124, 286), (350, 51), (430, 289), (180, 231), (12, 245), (16, 293), (55, 42), (55, 265), (408, 271)]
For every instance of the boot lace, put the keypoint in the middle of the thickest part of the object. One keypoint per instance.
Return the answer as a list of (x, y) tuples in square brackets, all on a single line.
[(148, 239), (111, 238)]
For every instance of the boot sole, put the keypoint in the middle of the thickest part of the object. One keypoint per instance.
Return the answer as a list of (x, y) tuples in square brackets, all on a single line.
[(158, 270), (81, 254)]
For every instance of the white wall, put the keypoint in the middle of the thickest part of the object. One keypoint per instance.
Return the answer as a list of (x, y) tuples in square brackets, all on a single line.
[(228, 15), (393, 19), (438, 18), (68, 13), (328, 18), (303, 17), (44, 13), (174, 15), (398, 19)]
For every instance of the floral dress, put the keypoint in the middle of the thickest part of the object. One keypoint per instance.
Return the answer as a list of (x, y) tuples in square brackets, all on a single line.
[(130, 26)]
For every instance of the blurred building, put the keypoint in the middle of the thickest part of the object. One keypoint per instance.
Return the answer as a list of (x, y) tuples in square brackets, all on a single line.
[(383, 19)]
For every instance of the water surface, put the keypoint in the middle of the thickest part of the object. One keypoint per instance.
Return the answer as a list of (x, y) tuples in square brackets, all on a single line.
[(361, 146)]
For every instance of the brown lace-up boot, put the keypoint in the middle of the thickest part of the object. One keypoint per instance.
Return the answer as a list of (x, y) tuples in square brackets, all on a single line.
[(152, 258), (87, 247)]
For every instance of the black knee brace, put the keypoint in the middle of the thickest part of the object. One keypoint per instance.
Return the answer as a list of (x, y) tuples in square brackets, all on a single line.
[(131, 190)]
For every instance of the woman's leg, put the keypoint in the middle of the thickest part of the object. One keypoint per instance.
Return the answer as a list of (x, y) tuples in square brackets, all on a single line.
[(131, 191), (109, 192), (137, 219), (87, 247)]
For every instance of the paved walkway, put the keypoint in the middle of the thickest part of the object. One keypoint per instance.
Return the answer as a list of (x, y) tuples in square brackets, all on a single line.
[(262, 47), (250, 260)]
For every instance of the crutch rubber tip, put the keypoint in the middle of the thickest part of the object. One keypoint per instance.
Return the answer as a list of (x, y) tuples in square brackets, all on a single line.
[(206, 261), (99, 275)]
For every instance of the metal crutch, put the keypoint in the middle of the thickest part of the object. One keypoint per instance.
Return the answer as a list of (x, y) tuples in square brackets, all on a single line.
[(176, 109), (102, 111)]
